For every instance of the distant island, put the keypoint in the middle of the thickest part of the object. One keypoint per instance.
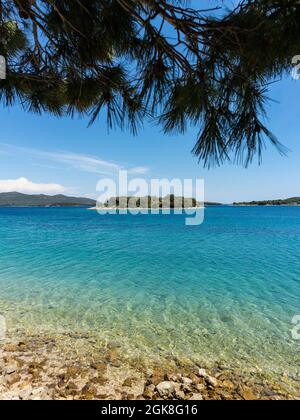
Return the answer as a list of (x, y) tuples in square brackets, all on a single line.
[(15, 199), (294, 201), (150, 202)]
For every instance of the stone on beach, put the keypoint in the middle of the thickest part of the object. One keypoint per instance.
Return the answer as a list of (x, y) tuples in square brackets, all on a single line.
[(166, 389), (157, 376), (202, 373), (128, 382), (213, 382), (173, 377), (186, 381), (246, 393), (41, 394), (11, 369), (149, 392), (196, 397), (43, 372), (180, 395), (12, 379), (25, 393), (10, 348)]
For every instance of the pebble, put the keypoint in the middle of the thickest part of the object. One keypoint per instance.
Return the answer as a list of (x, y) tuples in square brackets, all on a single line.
[(186, 388), (175, 377), (213, 382), (228, 384), (25, 393), (202, 373), (11, 369), (166, 389), (149, 392), (128, 382), (186, 381), (12, 379), (10, 348), (157, 377), (196, 397), (247, 394), (180, 395)]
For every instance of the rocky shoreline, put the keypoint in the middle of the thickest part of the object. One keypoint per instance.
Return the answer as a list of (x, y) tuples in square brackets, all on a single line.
[(36, 368)]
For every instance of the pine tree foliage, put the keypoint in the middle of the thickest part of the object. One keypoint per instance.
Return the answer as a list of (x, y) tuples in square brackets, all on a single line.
[(153, 59)]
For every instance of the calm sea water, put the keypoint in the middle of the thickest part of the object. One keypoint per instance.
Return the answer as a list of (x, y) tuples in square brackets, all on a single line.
[(224, 291)]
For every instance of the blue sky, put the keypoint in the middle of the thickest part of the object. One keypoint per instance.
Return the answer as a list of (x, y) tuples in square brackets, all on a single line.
[(47, 154), (65, 152)]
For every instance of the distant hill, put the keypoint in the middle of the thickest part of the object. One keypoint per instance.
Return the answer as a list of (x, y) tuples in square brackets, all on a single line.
[(294, 201), (14, 199), (212, 204)]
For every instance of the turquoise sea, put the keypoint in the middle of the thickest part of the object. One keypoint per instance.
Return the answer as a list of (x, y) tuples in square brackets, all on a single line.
[(225, 291)]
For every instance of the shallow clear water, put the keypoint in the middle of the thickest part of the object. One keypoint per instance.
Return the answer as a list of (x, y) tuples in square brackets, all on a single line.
[(224, 291)]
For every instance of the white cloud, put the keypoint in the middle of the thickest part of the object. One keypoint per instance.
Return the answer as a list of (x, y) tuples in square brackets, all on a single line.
[(139, 170), (78, 161), (23, 185), (85, 163)]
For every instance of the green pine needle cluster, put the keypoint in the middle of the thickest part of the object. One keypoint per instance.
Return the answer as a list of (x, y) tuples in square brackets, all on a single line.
[(162, 60)]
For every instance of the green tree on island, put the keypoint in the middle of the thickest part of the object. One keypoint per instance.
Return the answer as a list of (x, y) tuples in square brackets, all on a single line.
[(153, 59)]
